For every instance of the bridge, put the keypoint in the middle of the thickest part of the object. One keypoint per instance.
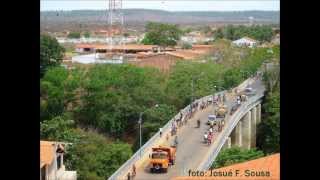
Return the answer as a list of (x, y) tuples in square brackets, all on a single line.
[(192, 154)]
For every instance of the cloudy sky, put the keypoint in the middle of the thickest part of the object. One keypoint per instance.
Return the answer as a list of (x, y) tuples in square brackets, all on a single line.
[(169, 5)]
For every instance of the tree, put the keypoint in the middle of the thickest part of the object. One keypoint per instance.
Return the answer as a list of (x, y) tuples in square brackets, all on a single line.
[(74, 35), (218, 34), (86, 34), (58, 129), (268, 136), (51, 53), (161, 34), (186, 46), (235, 155), (93, 157)]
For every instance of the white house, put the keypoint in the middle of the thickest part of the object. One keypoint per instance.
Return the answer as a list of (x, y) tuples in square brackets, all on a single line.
[(51, 162), (245, 41)]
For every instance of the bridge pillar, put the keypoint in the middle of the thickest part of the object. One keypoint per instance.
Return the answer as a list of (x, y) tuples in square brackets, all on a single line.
[(238, 134), (246, 130), (227, 143), (258, 113), (253, 126)]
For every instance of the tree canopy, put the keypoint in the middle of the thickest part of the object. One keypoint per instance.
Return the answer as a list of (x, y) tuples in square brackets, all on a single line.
[(162, 34), (235, 155), (74, 35), (258, 32), (51, 53), (268, 137)]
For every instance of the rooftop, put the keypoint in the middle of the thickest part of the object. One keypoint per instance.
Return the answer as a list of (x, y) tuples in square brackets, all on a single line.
[(269, 164), (47, 150), (119, 47)]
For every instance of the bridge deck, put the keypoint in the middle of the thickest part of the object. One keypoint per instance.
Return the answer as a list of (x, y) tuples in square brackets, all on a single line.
[(191, 150)]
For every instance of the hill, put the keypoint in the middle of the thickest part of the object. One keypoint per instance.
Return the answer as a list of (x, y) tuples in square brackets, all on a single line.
[(54, 20)]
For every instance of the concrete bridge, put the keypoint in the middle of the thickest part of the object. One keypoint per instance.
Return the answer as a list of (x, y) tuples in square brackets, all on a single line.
[(192, 153)]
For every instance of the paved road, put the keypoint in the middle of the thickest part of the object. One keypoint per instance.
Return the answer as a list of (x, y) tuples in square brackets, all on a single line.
[(191, 149)]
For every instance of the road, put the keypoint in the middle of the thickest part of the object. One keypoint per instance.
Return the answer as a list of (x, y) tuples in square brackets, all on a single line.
[(191, 150)]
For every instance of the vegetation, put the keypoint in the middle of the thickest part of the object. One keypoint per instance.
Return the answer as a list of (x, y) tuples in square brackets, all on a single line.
[(268, 137), (186, 46), (74, 35), (235, 155), (51, 53), (96, 109), (258, 32), (162, 34), (89, 153), (86, 34)]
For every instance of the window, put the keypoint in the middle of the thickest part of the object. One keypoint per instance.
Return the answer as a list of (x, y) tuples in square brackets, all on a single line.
[(43, 173)]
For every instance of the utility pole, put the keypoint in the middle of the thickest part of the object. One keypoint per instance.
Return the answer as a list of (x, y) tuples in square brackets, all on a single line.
[(140, 131)]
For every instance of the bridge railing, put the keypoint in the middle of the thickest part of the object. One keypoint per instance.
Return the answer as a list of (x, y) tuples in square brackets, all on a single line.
[(145, 149), (234, 119), (126, 167)]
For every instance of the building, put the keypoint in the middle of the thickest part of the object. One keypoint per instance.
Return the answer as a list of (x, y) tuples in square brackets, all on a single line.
[(245, 42), (51, 162), (265, 168)]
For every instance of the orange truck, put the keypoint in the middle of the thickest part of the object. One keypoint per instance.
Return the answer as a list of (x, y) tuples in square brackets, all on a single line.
[(161, 158)]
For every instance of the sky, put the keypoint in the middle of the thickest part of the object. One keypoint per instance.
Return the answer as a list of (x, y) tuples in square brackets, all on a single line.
[(169, 5)]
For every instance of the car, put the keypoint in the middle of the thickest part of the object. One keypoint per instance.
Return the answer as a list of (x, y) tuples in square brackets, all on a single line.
[(211, 119), (249, 91)]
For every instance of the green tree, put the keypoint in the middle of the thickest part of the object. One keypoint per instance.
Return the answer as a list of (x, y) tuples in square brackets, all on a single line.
[(161, 34), (93, 157), (218, 34), (268, 136), (51, 53), (186, 46), (86, 34), (74, 35), (58, 129), (235, 155)]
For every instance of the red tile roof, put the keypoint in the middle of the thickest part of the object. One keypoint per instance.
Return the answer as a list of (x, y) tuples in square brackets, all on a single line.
[(47, 150), (259, 167)]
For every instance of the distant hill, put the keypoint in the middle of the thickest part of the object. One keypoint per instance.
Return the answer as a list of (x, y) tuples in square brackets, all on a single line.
[(138, 17)]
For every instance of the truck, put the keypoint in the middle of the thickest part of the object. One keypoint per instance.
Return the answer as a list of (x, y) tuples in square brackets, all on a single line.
[(221, 111), (161, 158)]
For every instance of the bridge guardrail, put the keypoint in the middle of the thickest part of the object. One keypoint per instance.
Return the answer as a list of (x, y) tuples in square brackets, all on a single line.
[(234, 120), (126, 167)]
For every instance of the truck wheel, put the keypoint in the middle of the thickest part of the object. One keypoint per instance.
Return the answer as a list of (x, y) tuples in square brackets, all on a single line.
[(165, 170), (151, 170)]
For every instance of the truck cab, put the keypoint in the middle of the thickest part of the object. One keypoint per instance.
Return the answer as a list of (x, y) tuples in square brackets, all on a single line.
[(162, 158)]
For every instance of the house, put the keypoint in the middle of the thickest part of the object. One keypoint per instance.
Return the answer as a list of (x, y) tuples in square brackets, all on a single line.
[(51, 162), (245, 42), (265, 168)]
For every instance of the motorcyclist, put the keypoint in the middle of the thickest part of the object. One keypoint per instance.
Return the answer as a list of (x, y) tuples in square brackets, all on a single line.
[(205, 137)]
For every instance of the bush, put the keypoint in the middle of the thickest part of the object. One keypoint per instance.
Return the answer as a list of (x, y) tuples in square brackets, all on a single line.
[(186, 46), (74, 35), (94, 157), (235, 155), (51, 53)]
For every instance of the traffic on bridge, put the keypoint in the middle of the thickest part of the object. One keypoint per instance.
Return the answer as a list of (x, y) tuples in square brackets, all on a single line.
[(193, 136)]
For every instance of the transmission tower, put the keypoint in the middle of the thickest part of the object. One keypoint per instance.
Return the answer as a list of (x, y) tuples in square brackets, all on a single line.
[(115, 30)]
